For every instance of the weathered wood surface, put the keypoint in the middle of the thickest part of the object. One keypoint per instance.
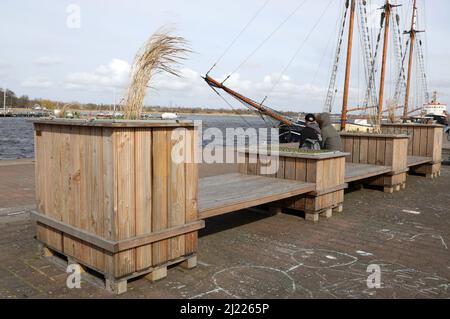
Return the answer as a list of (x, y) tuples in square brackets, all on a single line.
[(117, 246), (382, 150), (227, 193), (418, 160), (121, 185), (355, 172), (325, 171), (116, 123), (424, 140), (376, 149)]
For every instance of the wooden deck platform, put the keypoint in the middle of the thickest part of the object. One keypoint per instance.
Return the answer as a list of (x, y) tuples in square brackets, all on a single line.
[(228, 193), (355, 172), (418, 160)]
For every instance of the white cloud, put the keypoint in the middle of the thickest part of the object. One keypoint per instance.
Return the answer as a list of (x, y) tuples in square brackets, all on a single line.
[(190, 84), (113, 75), (116, 75), (187, 81), (47, 61), (274, 85), (36, 82)]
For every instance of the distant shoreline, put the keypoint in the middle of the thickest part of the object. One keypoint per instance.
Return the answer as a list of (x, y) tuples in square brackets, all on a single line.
[(19, 110)]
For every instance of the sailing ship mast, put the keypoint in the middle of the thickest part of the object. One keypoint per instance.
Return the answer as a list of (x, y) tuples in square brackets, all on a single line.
[(412, 35), (348, 65), (387, 15)]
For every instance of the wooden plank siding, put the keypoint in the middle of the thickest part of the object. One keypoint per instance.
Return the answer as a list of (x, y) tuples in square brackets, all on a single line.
[(118, 183), (326, 171), (369, 151), (424, 140), (383, 150)]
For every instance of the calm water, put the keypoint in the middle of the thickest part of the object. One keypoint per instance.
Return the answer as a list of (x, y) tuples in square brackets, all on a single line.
[(16, 138), (16, 134)]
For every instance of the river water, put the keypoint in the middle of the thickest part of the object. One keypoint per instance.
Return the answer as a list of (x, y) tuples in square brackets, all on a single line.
[(16, 134)]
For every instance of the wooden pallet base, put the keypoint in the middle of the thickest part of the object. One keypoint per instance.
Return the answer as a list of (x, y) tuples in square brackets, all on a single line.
[(324, 213), (119, 285), (394, 188), (391, 183), (428, 170)]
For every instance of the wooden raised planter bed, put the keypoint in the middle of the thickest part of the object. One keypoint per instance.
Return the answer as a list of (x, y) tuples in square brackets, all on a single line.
[(110, 197), (376, 159), (324, 170), (424, 147)]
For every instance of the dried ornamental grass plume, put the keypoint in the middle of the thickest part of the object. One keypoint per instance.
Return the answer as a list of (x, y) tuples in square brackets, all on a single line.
[(161, 53)]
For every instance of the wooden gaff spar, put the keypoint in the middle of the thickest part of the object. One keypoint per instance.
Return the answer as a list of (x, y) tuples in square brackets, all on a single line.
[(258, 106)]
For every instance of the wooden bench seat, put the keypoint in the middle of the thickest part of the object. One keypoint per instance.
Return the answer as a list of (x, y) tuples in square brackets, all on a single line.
[(355, 171), (228, 193), (418, 160)]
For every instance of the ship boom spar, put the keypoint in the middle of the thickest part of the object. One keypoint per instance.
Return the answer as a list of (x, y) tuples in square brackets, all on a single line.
[(258, 106)]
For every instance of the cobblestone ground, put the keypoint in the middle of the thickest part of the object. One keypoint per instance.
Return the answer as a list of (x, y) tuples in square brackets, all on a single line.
[(252, 254)]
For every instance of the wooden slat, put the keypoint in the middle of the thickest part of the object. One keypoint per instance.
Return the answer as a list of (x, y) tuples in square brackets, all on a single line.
[(390, 153), (300, 170), (71, 246), (372, 152), (143, 165), (363, 150), (381, 150), (311, 172), (192, 187), (438, 141), (423, 141), (115, 246), (118, 123), (177, 191), (416, 142), (410, 133), (289, 169), (125, 262), (109, 205), (54, 183), (348, 147), (356, 150), (327, 176), (39, 170), (96, 217), (161, 155)]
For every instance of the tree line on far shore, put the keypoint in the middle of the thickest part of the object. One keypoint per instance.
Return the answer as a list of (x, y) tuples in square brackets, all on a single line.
[(23, 101)]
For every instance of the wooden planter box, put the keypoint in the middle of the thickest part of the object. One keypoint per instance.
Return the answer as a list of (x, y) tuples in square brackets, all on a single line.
[(325, 170), (384, 150), (424, 141), (110, 197)]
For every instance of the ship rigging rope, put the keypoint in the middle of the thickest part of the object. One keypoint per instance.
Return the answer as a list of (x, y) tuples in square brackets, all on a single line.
[(366, 37), (325, 52), (331, 92), (239, 35), (266, 39), (373, 69), (299, 49)]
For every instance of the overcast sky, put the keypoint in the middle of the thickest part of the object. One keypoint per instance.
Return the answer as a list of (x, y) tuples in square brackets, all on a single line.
[(46, 53)]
